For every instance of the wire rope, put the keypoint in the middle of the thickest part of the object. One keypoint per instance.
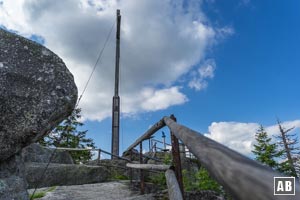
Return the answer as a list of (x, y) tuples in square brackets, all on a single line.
[(80, 97), (95, 65)]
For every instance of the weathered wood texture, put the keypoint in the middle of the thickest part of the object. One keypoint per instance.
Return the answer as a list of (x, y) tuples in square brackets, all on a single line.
[(242, 177), (147, 134), (173, 186), (148, 166)]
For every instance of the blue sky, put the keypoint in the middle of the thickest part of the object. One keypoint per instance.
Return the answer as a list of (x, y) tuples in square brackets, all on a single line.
[(222, 67)]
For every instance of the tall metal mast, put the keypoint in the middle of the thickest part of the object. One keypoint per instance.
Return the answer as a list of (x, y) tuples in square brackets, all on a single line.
[(116, 98)]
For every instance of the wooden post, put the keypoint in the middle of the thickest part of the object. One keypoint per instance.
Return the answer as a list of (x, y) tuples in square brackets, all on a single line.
[(141, 170), (131, 174), (151, 144), (173, 186), (176, 158)]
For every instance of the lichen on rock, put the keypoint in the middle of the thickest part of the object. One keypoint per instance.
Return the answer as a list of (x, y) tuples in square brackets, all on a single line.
[(37, 92)]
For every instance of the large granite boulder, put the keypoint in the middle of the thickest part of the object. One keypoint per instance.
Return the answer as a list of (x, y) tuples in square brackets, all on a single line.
[(38, 153), (63, 174), (37, 92)]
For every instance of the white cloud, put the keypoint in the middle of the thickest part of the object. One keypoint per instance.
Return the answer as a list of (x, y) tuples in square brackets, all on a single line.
[(207, 69), (160, 99), (224, 32), (197, 84), (273, 130), (241, 136), (235, 135), (160, 42), (199, 78), (151, 99)]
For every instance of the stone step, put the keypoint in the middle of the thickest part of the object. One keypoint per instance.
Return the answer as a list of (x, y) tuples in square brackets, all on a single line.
[(99, 191)]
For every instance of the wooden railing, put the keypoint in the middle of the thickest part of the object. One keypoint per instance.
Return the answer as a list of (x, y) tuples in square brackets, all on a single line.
[(242, 178)]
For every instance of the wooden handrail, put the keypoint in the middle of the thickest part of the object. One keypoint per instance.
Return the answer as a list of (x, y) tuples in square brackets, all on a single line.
[(173, 186), (243, 178), (148, 166), (160, 124)]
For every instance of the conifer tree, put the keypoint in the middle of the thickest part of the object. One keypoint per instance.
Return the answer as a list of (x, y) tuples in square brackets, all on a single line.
[(288, 141), (266, 152), (67, 135)]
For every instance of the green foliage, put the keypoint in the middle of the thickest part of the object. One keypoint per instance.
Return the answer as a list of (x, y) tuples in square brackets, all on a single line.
[(189, 180), (117, 174), (205, 182), (67, 135), (192, 181), (200, 180), (42, 193), (265, 151), (159, 179), (167, 159)]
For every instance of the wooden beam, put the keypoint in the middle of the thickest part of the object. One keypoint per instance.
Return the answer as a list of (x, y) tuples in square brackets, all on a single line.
[(148, 166), (242, 177), (173, 186), (147, 134), (72, 149)]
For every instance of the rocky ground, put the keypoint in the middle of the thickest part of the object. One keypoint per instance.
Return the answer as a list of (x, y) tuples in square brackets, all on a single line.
[(106, 191)]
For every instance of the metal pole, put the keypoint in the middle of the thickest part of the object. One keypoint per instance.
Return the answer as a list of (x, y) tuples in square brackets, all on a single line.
[(164, 141), (142, 171), (176, 158), (99, 155), (131, 174), (116, 98)]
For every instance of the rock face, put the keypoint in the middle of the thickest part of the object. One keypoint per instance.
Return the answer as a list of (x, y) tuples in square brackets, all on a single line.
[(37, 153), (12, 180), (36, 93), (63, 174)]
